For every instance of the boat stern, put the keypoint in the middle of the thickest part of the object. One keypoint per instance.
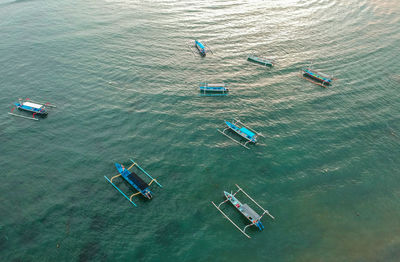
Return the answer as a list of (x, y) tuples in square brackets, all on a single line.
[(259, 225), (147, 193)]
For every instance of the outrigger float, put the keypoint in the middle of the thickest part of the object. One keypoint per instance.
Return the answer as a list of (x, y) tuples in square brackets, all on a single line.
[(316, 77), (134, 180), (207, 89), (245, 210), (243, 131), (260, 60), (202, 49), (27, 105)]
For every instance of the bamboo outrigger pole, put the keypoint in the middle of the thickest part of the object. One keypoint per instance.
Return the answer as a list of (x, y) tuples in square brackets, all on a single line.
[(222, 132), (230, 220), (31, 118), (120, 191)]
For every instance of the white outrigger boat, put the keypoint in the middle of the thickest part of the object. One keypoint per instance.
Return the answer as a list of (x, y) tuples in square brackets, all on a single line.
[(245, 210)]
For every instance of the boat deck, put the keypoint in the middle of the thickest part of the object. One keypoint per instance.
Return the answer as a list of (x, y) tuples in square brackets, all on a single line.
[(249, 212), (134, 178), (215, 89), (247, 132)]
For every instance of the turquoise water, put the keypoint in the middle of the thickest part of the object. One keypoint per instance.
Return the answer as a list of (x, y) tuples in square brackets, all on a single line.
[(125, 86)]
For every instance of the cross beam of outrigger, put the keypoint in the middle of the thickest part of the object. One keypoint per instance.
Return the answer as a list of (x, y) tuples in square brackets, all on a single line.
[(134, 180)]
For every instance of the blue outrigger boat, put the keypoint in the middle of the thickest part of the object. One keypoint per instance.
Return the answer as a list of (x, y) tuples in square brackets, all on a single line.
[(245, 210), (207, 89), (316, 77), (243, 131), (134, 180), (202, 49), (27, 105)]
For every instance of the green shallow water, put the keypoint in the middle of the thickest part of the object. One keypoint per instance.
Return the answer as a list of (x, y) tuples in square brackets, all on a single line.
[(125, 86)]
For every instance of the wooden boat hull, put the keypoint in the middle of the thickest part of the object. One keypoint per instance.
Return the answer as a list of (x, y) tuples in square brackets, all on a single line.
[(214, 89), (243, 132), (245, 210), (318, 77), (260, 61)]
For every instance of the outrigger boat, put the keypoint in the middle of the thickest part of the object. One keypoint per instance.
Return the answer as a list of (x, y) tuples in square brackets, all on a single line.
[(316, 77), (240, 129), (245, 210), (27, 105), (202, 49), (262, 61), (134, 180), (207, 89)]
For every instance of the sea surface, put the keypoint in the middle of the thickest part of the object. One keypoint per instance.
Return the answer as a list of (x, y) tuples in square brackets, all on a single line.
[(125, 84)]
